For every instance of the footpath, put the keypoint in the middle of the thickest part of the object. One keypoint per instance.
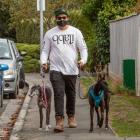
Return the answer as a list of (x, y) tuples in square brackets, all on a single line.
[(26, 127)]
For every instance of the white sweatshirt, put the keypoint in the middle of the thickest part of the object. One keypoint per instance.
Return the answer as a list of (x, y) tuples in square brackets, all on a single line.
[(61, 48)]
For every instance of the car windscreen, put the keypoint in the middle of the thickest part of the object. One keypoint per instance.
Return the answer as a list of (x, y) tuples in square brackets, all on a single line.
[(5, 52)]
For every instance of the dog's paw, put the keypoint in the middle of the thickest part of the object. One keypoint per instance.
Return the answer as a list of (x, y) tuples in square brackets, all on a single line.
[(40, 129), (47, 128), (106, 127)]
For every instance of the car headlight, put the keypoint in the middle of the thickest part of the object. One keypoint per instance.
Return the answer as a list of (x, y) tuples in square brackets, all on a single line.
[(10, 72)]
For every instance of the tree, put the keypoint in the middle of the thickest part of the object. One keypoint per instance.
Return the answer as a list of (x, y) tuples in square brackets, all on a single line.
[(91, 8), (5, 31), (137, 7), (25, 18), (106, 11)]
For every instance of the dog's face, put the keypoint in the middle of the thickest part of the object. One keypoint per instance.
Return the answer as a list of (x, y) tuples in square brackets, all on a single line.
[(98, 68), (101, 76)]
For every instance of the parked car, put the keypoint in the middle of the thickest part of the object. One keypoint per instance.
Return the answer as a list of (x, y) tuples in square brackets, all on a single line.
[(10, 55)]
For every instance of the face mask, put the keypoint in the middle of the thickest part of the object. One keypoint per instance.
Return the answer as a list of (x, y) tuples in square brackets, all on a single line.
[(62, 23)]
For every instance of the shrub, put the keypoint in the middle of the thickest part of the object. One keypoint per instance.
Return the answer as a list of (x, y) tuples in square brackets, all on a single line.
[(31, 60), (121, 89), (31, 65)]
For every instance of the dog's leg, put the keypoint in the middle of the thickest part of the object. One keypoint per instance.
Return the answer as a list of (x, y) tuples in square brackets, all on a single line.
[(98, 116), (107, 111), (48, 109), (47, 119), (49, 112), (102, 114), (106, 119), (48, 126), (91, 118), (91, 114), (41, 117)]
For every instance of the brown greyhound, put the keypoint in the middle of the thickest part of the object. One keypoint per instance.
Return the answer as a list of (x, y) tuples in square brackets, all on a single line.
[(99, 97), (43, 101)]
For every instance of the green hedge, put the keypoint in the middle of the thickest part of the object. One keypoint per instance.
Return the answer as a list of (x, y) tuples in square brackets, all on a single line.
[(31, 60)]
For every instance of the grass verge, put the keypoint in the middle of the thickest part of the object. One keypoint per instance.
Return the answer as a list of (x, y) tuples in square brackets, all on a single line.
[(125, 115)]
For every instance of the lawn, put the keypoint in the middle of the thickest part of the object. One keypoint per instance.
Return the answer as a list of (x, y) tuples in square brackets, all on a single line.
[(125, 115), (124, 110)]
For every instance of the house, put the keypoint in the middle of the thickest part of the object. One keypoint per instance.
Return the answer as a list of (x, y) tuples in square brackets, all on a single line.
[(125, 51)]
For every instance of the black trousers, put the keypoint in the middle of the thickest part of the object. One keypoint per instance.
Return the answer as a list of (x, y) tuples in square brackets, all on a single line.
[(63, 84)]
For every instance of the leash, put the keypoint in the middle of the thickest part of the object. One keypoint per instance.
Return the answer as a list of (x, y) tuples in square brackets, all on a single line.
[(79, 86), (43, 90)]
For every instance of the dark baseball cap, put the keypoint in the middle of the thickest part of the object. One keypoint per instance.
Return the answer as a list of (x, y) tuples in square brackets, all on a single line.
[(60, 11)]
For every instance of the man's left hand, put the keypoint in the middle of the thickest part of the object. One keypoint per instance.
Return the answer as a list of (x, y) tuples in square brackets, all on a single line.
[(81, 64)]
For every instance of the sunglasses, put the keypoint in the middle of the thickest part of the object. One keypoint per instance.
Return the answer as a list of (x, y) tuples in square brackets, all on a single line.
[(63, 17)]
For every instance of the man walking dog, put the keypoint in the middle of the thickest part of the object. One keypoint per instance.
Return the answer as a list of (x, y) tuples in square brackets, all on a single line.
[(61, 46)]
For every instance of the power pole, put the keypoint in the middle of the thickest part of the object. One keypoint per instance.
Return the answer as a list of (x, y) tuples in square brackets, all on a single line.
[(41, 8)]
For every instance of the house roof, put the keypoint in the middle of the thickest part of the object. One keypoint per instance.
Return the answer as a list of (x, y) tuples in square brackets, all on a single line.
[(123, 18)]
